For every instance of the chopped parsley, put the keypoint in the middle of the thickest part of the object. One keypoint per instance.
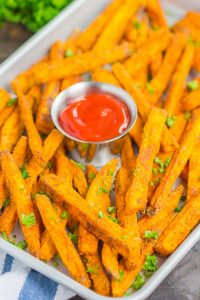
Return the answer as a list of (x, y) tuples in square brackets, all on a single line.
[(111, 173), (39, 193), (85, 146), (11, 102), (138, 282), (150, 234), (69, 53), (111, 209), (55, 264), (102, 190), (150, 89), (79, 165), (73, 237), (177, 209), (100, 215), (170, 121), (24, 172), (28, 220), (193, 85), (150, 264), (121, 275), (115, 220), (187, 115), (64, 215), (22, 188), (155, 171), (92, 175), (162, 165), (152, 183), (6, 202), (92, 270), (182, 198), (137, 25), (22, 245)]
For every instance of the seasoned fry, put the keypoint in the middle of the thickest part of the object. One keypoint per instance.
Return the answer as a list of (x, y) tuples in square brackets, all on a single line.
[(154, 45), (62, 242), (178, 161), (110, 37), (143, 105), (103, 228), (156, 13), (136, 131), (4, 98), (192, 100), (116, 146), (87, 38), (103, 75), (5, 113), (196, 63), (179, 228), (91, 152), (173, 103), (63, 165), (194, 172), (23, 202), (155, 64), (78, 177), (11, 131), (83, 149), (136, 197), (127, 154), (69, 144), (72, 66), (35, 94), (91, 173), (179, 126), (70, 81)]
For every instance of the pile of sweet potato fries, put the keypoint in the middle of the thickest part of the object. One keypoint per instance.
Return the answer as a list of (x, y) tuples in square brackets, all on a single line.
[(64, 208)]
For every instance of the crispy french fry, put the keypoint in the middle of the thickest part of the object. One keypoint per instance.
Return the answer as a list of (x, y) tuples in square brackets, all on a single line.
[(196, 63), (110, 37), (11, 131), (192, 100), (179, 228), (70, 81), (155, 64), (194, 17), (159, 83), (179, 126), (78, 177), (35, 94), (143, 105), (173, 103), (154, 45), (127, 154), (51, 144), (155, 222), (91, 173), (184, 173), (91, 152), (116, 146), (136, 131), (88, 37), (72, 66), (5, 113), (83, 149), (63, 165), (35, 141), (156, 13), (136, 196), (69, 144), (22, 200), (103, 75), (62, 242), (194, 172), (103, 228), (178, 161), (142, 32), (4, 98)]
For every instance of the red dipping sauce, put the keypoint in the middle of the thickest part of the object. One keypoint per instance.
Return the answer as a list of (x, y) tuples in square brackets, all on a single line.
[(95, 117)]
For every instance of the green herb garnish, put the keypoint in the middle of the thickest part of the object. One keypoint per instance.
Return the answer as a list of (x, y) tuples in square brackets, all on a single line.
[(150, 264), (28, 220), (24, 172), (55, 264), (121, 275), (102, 190), (170, 121), (150, 234), (115, 220), (137, 25), (11, 102), (187, 115), (92, 270), (64, 215), (150, 89), (73, 237), (6, 202), (69, 53), (111, 209), (92, 175), (79, 165), (193, 85), (177, 209), (22, 245), (100, 215), (138, 282)]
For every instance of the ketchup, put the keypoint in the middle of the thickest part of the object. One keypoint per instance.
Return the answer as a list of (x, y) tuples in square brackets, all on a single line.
[(95, 117)]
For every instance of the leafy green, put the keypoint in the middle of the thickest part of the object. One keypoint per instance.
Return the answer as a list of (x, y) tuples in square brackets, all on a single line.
[(11, 102), (193, 85), (64, 215), (170, 121), (150, 234), (73, 237), (6, 202), (150, 264), (33, 14), (138, 282), (187, 115), (70, 53), (28, 220), (24, 172)]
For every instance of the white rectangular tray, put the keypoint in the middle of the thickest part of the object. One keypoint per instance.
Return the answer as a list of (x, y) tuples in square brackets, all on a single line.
[(78, 15)]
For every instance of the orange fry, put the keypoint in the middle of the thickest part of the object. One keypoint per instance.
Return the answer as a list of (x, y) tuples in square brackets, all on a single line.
[(69, 81), (61, 240), (78, 177), (192, 100), (110, 37), (194, 172), (173, 103), (103, 227), (136, 197), (136, 131), (91, 152), (127, 154), (4, 98), (178, 161), (179, 126), (23, 202), (156, 13), (103, 75), (91, 173), (63, 166)]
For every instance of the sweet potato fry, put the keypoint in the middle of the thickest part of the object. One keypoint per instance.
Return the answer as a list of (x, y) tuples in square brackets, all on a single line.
[(91, 152), (5, 113), (192, 100), (23, 202), (143, 105), (127, 154), (63, 165), (35, 141), (78, 177), (116, 146), (136, 197), (4, 98), (91, 173), (136, 131), (179, 126), (62, 242), (88, 37), (155, 64), (70, 81), (154, 223), (178, 161), (173, 103), (51, 144), (179, 228), (103, 75), (11, 131), (184, 173), (156, 13), (35, 94), (141, 79), (159, 83), (83, 149), (196, 63), (154, 45), (194, 172), (103, 227), (77, 65), (110, 37), (69, 144)]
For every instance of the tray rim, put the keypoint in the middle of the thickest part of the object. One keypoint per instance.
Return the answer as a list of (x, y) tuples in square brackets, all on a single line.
[(47, 270)]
